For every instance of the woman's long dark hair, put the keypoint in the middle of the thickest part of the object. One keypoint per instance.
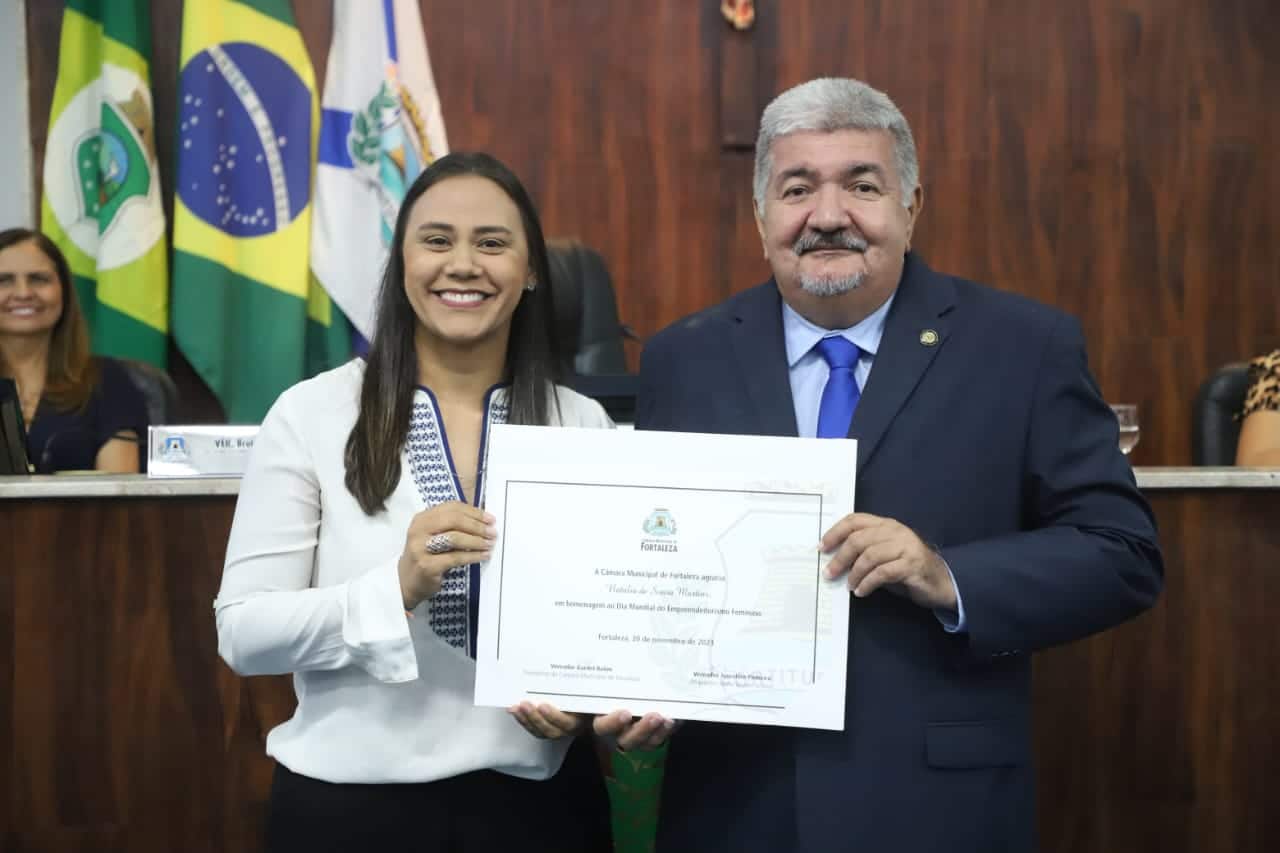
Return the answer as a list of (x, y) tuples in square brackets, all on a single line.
[(391, 375), (72, 373)]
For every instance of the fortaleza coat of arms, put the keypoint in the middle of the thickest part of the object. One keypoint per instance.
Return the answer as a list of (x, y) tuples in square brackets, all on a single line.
[(660, 523), (388, 145)]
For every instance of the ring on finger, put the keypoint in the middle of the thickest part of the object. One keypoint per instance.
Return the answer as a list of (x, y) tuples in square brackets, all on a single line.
[(439, 544)]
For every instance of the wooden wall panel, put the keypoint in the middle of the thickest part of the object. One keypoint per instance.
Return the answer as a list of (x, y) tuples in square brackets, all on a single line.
[(1111, 157), (608, 112), (1108, 158)]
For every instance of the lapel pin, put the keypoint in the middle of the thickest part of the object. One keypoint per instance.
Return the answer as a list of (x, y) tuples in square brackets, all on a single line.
[(929, 337)]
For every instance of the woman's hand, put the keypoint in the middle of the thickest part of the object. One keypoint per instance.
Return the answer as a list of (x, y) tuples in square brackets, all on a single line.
[(547, 722), (441, 538)]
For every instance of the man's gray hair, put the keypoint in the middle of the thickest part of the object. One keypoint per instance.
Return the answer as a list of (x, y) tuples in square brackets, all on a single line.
[(829, 104)]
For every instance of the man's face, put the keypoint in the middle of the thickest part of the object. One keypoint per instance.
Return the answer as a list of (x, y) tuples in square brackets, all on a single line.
[(834, 225)]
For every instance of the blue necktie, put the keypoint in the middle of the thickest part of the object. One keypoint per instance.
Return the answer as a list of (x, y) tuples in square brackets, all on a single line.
[(840, 397)]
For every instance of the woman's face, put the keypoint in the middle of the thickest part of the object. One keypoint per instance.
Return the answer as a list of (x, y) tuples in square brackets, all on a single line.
[(466, 260), (30, 293)]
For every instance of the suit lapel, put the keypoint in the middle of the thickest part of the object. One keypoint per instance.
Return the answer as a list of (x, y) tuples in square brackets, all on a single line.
[(923, 303), (756, 332)]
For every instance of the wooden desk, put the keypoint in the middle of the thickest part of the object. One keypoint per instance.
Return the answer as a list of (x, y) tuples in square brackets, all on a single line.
[(120, 730), (1164, 734)]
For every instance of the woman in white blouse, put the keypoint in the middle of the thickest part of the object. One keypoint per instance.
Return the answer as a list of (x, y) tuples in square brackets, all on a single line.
[(355, 554)]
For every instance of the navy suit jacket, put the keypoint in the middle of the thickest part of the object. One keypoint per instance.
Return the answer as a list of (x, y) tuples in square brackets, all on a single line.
[(993, 444)]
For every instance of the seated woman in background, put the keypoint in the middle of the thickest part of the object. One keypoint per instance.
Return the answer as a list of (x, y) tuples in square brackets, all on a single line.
[(1259, 445), (354, 557), (82, 413)]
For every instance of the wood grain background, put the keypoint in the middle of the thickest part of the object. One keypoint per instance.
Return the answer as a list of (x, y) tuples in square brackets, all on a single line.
[(1115, 158)]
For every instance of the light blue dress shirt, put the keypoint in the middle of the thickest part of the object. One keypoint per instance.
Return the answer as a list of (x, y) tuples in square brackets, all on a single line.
[(808, 371)]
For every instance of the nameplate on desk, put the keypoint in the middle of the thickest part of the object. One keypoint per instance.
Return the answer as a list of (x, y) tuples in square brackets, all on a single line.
[(199, 451)]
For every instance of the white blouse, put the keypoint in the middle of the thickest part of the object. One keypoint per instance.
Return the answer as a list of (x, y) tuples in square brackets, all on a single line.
[(311, 588)]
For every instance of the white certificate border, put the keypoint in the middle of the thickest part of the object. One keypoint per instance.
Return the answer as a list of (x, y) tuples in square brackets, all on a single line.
[(817, 593)]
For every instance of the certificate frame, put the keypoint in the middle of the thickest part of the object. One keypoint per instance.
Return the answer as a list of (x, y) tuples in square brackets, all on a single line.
[(502, 575), (671, 572)]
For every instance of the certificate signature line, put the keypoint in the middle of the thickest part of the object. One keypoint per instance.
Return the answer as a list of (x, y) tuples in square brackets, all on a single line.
[(653, 699)]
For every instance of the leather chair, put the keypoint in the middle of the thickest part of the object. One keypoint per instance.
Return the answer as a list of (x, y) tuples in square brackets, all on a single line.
[(158, 389), (1215, 430), (590, 333)]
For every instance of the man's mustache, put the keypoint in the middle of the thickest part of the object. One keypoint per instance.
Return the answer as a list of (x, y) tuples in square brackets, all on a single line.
[(814, 241)]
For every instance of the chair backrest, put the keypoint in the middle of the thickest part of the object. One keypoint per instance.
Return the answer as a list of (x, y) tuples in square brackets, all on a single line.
[(13, 434), (158, 389), (586, 311), (1215, 430)]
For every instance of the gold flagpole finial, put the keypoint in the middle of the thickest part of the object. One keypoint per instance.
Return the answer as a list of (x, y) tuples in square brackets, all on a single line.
[(740, 13)]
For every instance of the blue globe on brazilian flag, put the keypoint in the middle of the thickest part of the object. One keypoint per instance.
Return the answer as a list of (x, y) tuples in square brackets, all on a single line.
[(101, 202), (247, 312)]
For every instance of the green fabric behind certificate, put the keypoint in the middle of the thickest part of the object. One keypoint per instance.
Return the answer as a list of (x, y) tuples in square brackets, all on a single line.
[(635, 790)]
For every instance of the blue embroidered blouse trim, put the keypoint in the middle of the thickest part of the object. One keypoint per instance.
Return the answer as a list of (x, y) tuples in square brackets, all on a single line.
[(453, 611)]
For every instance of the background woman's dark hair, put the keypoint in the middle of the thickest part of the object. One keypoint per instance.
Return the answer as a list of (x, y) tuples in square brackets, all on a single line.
[(72, 373), (391, 375)]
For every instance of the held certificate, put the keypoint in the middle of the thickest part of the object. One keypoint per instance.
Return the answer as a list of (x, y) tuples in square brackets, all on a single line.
[(668, 572)]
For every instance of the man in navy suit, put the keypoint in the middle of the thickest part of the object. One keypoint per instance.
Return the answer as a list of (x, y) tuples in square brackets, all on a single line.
[(995, 513)]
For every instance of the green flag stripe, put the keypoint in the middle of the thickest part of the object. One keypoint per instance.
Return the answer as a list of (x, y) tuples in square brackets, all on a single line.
[(244, 339), (129, 24), (327, 346), (126, 21), (117, 334), (140, 289), (278, 9), (328, 337)]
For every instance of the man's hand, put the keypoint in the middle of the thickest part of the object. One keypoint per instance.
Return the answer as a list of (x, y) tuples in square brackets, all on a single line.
[(880, 552), (647, 732)]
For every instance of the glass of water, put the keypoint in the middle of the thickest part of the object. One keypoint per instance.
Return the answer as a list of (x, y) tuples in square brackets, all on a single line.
[(1127, 416)]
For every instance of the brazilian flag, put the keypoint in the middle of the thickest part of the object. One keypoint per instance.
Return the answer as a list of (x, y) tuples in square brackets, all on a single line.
[(102, 202), (247, 312)]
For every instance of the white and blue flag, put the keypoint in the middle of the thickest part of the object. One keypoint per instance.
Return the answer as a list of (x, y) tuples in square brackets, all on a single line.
[(380, 126)]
